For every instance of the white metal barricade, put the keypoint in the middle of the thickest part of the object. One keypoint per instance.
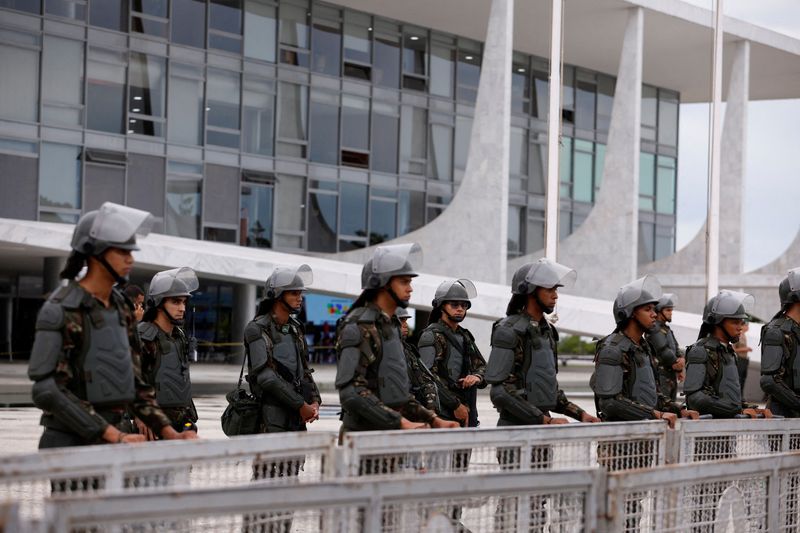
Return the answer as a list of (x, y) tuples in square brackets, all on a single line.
[(614, 446), (504, 503), (90, 470), (753, 494), (711, 440)]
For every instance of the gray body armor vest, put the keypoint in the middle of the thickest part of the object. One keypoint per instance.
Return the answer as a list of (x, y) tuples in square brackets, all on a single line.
[(285, 354), (644, 389), (729, 388), (541, 384), (394, 385), (457, 366), (107, 361), (173, 385)]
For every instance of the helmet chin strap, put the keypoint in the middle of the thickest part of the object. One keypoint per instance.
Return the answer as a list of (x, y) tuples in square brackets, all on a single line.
[(174, 321), (455, 319), (121, 281), (545, 309), (291, 310), (731, 338), (397, 300)]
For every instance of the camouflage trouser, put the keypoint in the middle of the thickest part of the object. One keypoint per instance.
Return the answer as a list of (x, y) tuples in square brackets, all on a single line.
[(668, 381)]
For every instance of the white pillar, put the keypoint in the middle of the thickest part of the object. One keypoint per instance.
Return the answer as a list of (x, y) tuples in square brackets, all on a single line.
[(553, 134)]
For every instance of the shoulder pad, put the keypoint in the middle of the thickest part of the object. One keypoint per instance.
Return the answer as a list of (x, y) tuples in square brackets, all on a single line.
[(367, 315), (297, 324), (787, 326), (609, 354), (619, 340), (121, 298), (51, 316), (504, 337), (517, 322), (70, 296), (697, 353), (350, 336), (773, 336), (428, 337), (252, 331), (147, 331)]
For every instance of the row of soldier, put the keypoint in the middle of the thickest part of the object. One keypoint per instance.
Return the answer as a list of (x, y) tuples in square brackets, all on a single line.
[(92, 366)]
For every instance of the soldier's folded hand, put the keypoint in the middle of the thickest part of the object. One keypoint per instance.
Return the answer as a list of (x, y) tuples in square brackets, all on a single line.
[(586, 417), (688, 413), (405, 423), (440, 423), (680, 364), (308, 412), (555, 421), (469, 381), (462, 413), (144, 430)]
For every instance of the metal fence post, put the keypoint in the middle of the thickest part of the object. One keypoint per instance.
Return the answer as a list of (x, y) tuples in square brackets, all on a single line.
[(672, 445), (773, 499)]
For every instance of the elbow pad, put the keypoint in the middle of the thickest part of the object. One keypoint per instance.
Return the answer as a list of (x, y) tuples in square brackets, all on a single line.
[(518, 408), (369, 408), (47, 396), (607, 379), (771, 351), (47, 345), (695, 370)]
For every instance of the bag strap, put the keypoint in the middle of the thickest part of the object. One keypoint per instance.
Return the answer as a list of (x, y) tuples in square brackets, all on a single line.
[(241, 372)]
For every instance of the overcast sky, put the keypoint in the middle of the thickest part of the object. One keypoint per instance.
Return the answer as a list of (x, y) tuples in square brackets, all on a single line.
[(772, 197)]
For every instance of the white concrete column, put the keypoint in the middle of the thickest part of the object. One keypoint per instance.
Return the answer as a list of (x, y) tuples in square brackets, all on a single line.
[(479, 210), (616, 210), (51, 269), (244, 309)]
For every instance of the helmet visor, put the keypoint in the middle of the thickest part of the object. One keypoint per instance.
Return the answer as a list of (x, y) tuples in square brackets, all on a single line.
[(456, 289), (667, 301), (641, 291), (295, 277), (176, 282), (733, 304), (794, 279), (394, 257), (119, 224), (548, 274)]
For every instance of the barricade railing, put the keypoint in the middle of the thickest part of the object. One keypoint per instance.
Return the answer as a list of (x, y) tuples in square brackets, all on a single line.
[(504, 503), (86, 471), (753, 494), (614, 446), (710, 440)]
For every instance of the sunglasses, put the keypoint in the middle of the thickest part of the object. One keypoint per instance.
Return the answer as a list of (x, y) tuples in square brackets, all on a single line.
[(457, 305)]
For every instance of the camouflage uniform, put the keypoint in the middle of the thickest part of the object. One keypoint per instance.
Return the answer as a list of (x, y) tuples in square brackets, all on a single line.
[(780, 366), (712, 379), (667, 353), (424, 386)]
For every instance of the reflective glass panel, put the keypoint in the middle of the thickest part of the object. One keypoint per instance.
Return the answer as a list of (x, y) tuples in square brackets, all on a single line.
[(109, 14), (147, 92), (355, 122), (322, 222), (223, 99), (647, 171), (440, 160), (62, 81), (534, 233), (358, 37), (184, 205), (582, 186), (326, 43), (386, 62), (225, 15), (290, 200), (443, 69), (260, 28), (156, 8), (256, 216), (185, 124), (415, 45), (411, 211), (385, 125), (189, 22), (468, 74), (668, 119), (649, 109), (383, 221), (60, 176), (520, 88), (414, 126), (324, 131), (66, 8), (463, 136), (665, 241), (105, 100), (30, 6), (294, 25), (565, 162), (605, 101), (354, 209), (515, 229), (538, 158), (293, 111), (665, 196), (568, 95), (646, 242), (541, 94), (19, 80), (258, 112), (519, 151), (585, 105)]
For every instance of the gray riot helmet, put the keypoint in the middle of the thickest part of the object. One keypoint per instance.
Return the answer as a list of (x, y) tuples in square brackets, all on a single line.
[(789, 288), (288, 278), (171, 283), (402, 313), (111, 226), (543, 273), (643, 291), (454, 290), (728, 304), (668, 300)]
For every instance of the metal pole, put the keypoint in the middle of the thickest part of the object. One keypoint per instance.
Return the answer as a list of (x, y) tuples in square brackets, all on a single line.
[(553, 134), (712, 223)]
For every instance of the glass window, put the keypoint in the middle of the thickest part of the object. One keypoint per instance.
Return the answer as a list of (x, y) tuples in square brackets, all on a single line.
[(519, 152), (568, 95), (468, 75), (73, 9), (355, 122), (357, 45), (585, 105), (354, 209), (322, 232), (414, 126), (520, 85), (185, 124), (565, 160), (605, 101), (647, 176), (62, 81), (668, 118), (19, 79), (184, 204), (324, 130), (649, 108), (440, 160), (150, 17), (443, 70), (383, 220), (258, 115), (326, 41), (646, 244), (213, 234), (564, 224), (582, 186), (599, 164), (222, 108), (385, 125), (256, 216), (294, 34), (109, 14), (665, 241), (415, 58), (515, 229), (260, 29), (105, 96), (665, 195), (31, 6), (538, 158), (411, 211), (292, 119), (534, 233), (225, 25), (386, 69), (541, 94), (147, 94), (60, 176), (189, 22), (103, 183), (290, 201), (461, 150)]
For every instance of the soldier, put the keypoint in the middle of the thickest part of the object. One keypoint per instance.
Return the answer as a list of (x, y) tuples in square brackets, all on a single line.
[(780, 351), (136, 295), (423, 384), (524, 362), (165, 348), (449, 350), (712, 379), (670, 359), (624, 380), (85, 361), (372, 374)]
